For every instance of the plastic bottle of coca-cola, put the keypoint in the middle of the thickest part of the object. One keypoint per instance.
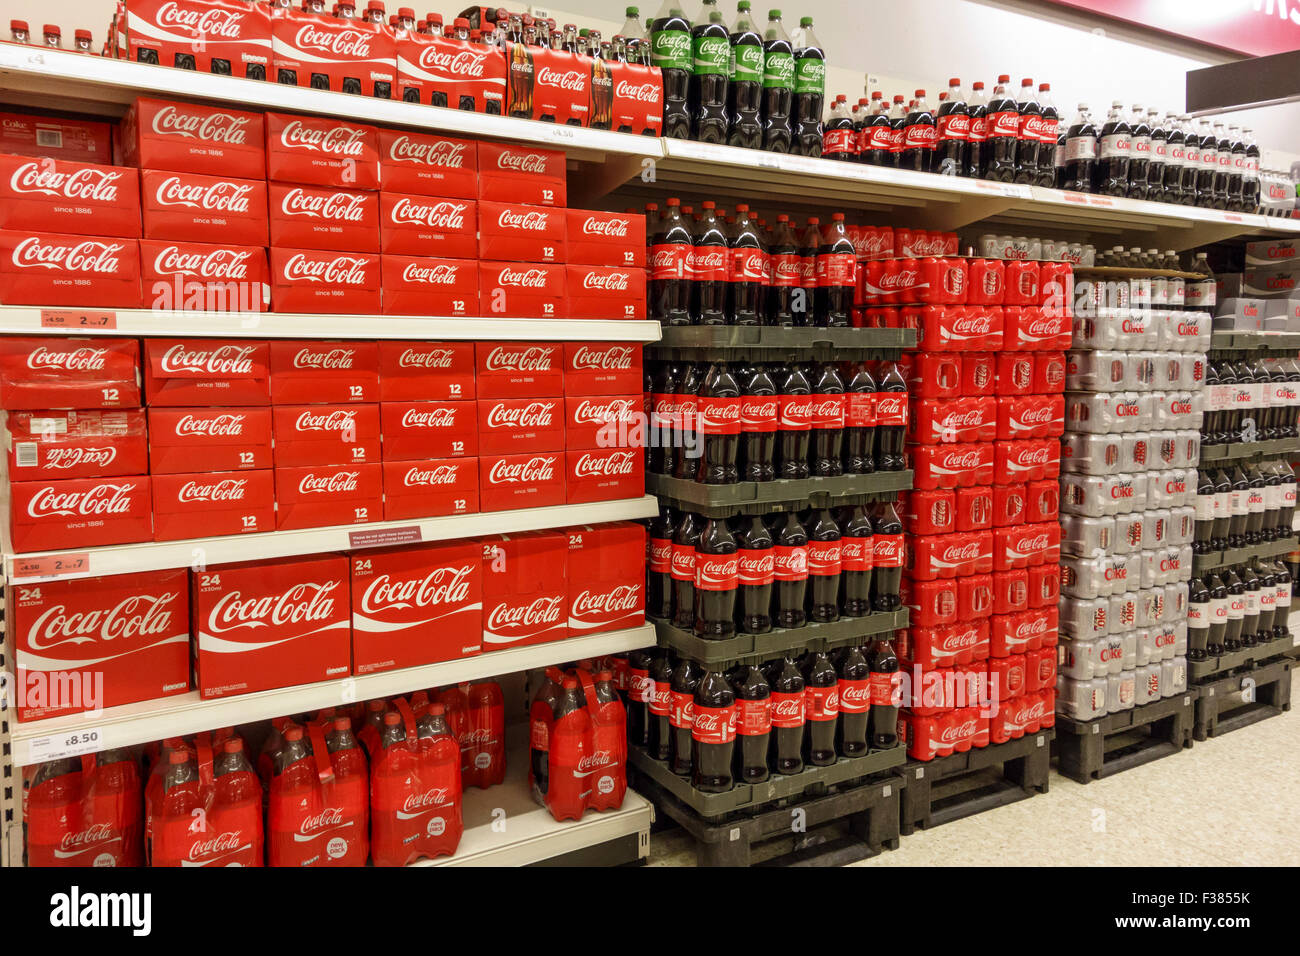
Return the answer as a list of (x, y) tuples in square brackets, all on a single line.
[(857, 560), (891, 418), (719, 418), (753, 723), (920, 137), (716, 581), (1250, 187), (874, 146), (977, 138), (824, 566), (785, 751), (671, 249), (821, 709), (897, 125), (860, 422), (953, 131), (803, 303), (884, 709), (787, 269), (1158, 161), (1080, 153), (748, 270), (681, 719), (659, 577), (836, 270), (713, 735), (1140, 137), (1048, 127), (827, 423), (685, 537), (689, 454), (1030, 145), (887, 557), (746, 88), (794, 408), (756, 572), (1003, 134), (838, 139), (778, 84), (659, 742), (1114, 154), (758, 422), (854, 689), (710, 270), (809, 92), (790, 570)]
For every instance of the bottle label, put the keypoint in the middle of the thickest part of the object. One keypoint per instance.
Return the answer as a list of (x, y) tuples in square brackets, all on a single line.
[(1283, 598), (824, 558), (787, 269), (683, 562), (778, 71), (887, 689), (795, 412), (1205, 507), (716, 572), (1177, 154), (1218, 610), (1160, 150), (1048, 130), (790, 562), (661, 704), (538, 737), (857, 554), (1255, 500), (1031, 128), (671, 50), (1080, 148), (1116, 146), (860, 410), (1236, 607), (1141, 147), (710, 264), (754, 717), (878, 138), (809, 76), (954, 126), (640, 688), (1267, 599), (682, 712), (1209, 159), (787, 710), (920, 136), (827, 411), (1192, 157), (1252, 603), (891, 409), (1059, 155), (821, 703), (1225, 161), (718, 416), (670, 261), (1004, 124), (1196, 616), (979, 129), (755, 567), (808, 271), (748, 63), (748, 265), (887, 550), (855, 695), (714, 725), (758, 413), (712, 55), (661, 555), (839, 141), (836, 270)]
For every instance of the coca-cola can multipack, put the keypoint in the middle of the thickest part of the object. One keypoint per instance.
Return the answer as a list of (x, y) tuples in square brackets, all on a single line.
[(69, 197), (321, 151), (514, 232), (325, 434), (426, 371), (209, 439), (423, 430), (521, 174), (38, 373), (213, 503), (49, 514), (320, 280), (317, 496), (415, 285), (194, 207), (525, 589), (605, 238), (306, 372), (77, 444), (206, 372), (507, 482), (53, 269), (204, 276), (523, 289), (427, 164), (323, 217), (417, 225), (429, 488), (194, 138), (606, 577), (76, 140)]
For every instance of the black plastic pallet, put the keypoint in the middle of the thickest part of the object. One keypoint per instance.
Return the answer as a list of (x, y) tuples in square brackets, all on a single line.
[(768, 342), (1240, 700), (761, 647), (1213, 668), (760, 497), (960, 785), (751, 797), (853, 821), (1092, 749), (1242, 341), (1236, 450), (1231, 556)]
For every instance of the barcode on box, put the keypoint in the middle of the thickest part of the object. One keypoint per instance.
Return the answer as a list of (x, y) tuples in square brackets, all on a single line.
[(25, 454), (51, 138)]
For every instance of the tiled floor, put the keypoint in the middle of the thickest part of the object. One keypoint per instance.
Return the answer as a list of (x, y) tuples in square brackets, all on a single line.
[(1234, 800)]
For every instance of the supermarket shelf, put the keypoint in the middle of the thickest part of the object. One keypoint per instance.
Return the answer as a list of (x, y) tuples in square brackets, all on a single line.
[(749, 497), (188, 713), (710, 338), (1231, 556), (1244, 341), (206, 552), (33, 320), (1235, 450), (530, 834), (774, 643)]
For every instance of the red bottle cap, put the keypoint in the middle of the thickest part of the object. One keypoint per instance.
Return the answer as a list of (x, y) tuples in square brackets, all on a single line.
[(342, 723), (17, 25), (406, 12), (837, 217), (392, 718), (1044, 87), (178, 756), (570, 683), (1027, 81), (460, 23), (1004, 78), (52, 28), (82, 34), (604, 676), (375, 5), (233, 745), (293, 732), (437, 710), (708, 204), (954, 81), (672, 201), (977, 86), (920, 94)]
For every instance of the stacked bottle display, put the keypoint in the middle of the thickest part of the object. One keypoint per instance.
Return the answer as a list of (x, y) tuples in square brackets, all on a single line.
[(751, 722), (1250, 400), (1134, 409)]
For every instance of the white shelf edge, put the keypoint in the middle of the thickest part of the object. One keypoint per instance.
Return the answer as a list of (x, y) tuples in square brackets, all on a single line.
[(26, 320), (33, 65), (187, 713), (207, 552)]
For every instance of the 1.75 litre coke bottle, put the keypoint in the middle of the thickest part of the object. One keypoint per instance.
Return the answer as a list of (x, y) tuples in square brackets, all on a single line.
[(886, 694), (756, 570), (716, 580), (713, 734), (824, 566), (790, 558), (821, 709), (670, 51), (855, 702), (887, 558), (681, 718), (753, 724), (785, 753), (891, 418)]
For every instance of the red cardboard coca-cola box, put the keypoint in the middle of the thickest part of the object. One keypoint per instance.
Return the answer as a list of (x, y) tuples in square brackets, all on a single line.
[(192, 207), (441, 71), (325, 434), (524, 174), (604, 474), (324, 217), (430, 488), (51, 269), (548, 85), (418, 286), (525, 589), (512, 232), (321, 151), (324, 372), (202, 276), (428, 226), (590, 420), (507, 482), (602, 368), (330, 53), (230, 37), (605, 238), (605, 292), (50, 515), (77, 444), (420, 371), (78, 141), (73, 198), (517, 426), (422, 430), (317, 496), (635, 98), (265, 624), (520, 369), (427, 164), (193, 138), (38, 372), (415, 606), (522, 290), (209, 439), (606, 577), (206, 372), (209, 504), (321, 280), (91, 643)]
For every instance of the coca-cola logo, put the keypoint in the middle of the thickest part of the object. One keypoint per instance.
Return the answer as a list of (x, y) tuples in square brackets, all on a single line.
[(232, 198), (538, 414), (431, 477), (210, 426), (612, 228), (592, 412), (439, 153), (611, 282), (61, 458), (333, 483), (613, 358), (336, 206), (338, 420), (513, 359), (211, 126), (523, 278), (202, 20), (618, 600), (535, 469), (609, 465), (225, 264), (314, 824), (340, 270), (218, 846), (440, 586), (101, 501), (223, 361), (533, 220), (638, 92), (134, 616), (443, 273), (84, 359), (593, 762), (90, 256), (344, 44), (433, 358), (339, 140), (83, 184), (461, 62), (299, 604), (523, 162), (229, 489), (79, 841), (568, 80), (442, 417), (542, 611), (443, 214)]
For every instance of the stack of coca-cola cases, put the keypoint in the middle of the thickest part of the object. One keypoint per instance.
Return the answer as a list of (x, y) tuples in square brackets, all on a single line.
[(1133, 415), (380, 780), (368, 53), (981, 577)]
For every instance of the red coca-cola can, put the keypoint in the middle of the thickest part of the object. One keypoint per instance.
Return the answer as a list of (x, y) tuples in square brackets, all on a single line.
[(1042, 500), (1044, 585), (1023, 278), (943, 281), (1049, 373)]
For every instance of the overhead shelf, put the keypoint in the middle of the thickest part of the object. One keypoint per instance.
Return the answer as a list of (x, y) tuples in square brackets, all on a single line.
[(207, 552), (758, 497), (1253, 341), (34, 320), (140, 723)]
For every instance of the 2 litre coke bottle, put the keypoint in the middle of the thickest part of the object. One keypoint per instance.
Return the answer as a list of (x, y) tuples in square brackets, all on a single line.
[(860, 422), (778, 84), (710, 75), (786, 269), (920, 137), (785, 751), (857, 560), (746, 88), (977, 140), (855, 698), (1003, 134), (681, 719), (827, 423), (716, 570), (953, 129), (685, 537), (671, 250), (1080, 153), (1114, 154), (821, 709), (824, 566), (670, 51), (755, 574), (719, 425), (713, 734), (891, 419), (790, 570), (710, 269), (839, 140), (794, 406), (809, 92), (659, 742), (748, 270), (1029, 143), (1048, 125), (753, 724), (887, 557), (877, 135), (885, 694), (659, 567)]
